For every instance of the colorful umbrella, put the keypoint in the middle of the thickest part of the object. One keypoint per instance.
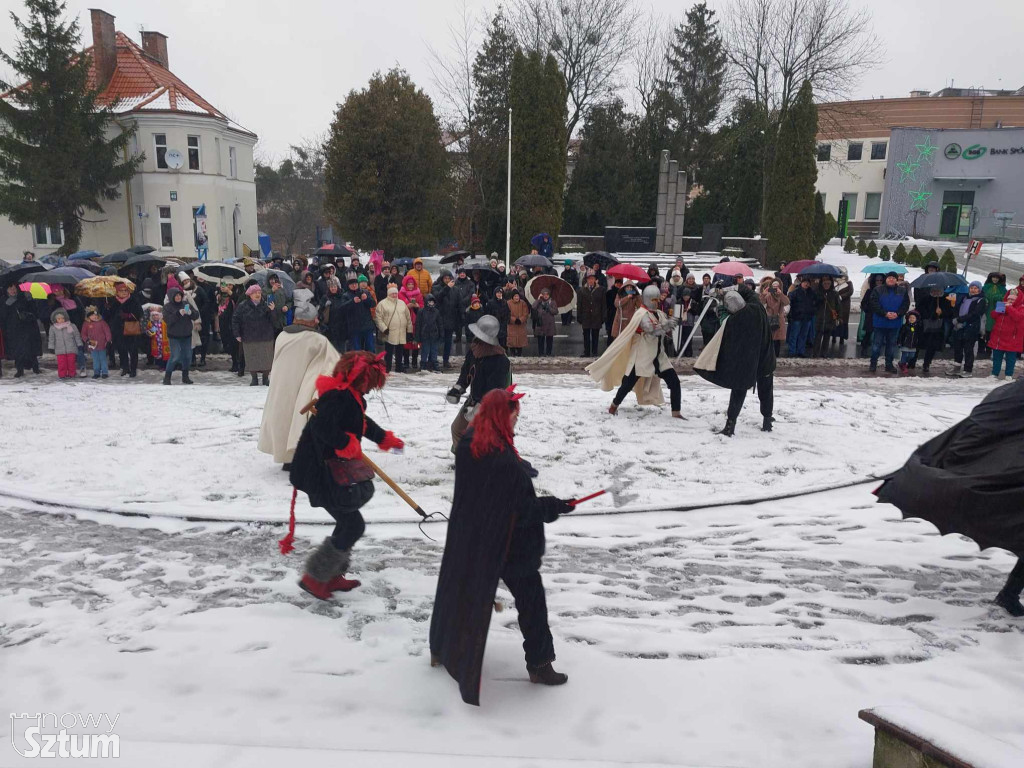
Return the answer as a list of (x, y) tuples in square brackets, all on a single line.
[(102, 287), (883, 268), (36, 290), (732, 268), (794, 267), (629, 272)]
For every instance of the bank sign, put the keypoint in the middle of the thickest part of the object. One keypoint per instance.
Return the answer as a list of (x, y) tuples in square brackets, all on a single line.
[(976, 151)]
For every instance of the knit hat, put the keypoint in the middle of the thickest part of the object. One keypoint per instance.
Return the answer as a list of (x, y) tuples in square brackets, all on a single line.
[(392, 290), (431, 298), (974, 284), (302, 300), (182, 277), (364, 279), (568, 262), (351, 277), (474, 299), (92, 312), (891, 274), (250, 290)]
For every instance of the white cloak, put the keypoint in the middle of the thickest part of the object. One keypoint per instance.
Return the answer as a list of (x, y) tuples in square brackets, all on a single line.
[(630, 349), (299, 358)]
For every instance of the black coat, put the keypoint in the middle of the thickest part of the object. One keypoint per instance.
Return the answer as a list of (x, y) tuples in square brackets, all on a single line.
[(252, 322), (333, 320), (429, 325), (932, 324), (449, 302), (803, 304), (571, 275), (21, 328), (470, 316), (496, 530), (484, 368), (970, 324), (179, 326), (591, 306), (747, 353), (970, 479), (499, 308), (358, 318), (118, 313)]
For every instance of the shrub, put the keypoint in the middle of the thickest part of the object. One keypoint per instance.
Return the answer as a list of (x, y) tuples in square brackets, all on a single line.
[(900, 254), (884, 254), (849, 246), (862, 247), (915, 258), (948, 262), (932, 255), (872, 250)]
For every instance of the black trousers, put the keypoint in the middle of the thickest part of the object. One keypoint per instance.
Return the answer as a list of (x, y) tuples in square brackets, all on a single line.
[(668, 376), (393, 352), (963, 348), (591, 341), (532, 606), (348, 528), (1014, 584), (128, 352), (545, 345), (765, 393)]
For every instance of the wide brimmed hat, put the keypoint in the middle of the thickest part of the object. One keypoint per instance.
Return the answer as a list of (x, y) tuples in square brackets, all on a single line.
[(486, 329)]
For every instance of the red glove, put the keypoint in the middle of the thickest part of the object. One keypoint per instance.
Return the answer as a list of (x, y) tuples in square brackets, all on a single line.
[(390, 442), (351, 451)]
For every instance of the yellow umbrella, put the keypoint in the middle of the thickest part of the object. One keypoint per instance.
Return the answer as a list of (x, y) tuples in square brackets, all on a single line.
[(36, 290), (102, 287)]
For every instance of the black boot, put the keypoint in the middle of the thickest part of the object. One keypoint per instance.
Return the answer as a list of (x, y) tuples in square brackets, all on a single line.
[(546, 675), (167, 378), (266, 379), (1009, 596), (766, 426), (729, 429), (184, 378), (234, 368), (255, 380)]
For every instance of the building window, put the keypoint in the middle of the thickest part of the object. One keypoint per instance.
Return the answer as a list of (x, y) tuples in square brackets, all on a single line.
[(223, 230), (878, 149), (160, 142), (216, 151), (166, 236), (824, 153), (872, 205), (851, 210), (49, 235), (193, 153), (232, 164), (854, 150)]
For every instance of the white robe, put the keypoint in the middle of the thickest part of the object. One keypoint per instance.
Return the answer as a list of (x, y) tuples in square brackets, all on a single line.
[(299, 358), (632, 349)]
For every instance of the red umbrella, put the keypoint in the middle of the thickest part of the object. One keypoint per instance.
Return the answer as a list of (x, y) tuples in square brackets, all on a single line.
[(629, 272), (796, 267), (732, 268)]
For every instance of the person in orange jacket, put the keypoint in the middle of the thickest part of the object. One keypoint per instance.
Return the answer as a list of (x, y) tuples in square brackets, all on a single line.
[(423, 278)]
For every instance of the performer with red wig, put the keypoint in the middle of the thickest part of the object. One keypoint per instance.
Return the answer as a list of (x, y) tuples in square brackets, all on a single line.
[(496, 531), (328, 466)]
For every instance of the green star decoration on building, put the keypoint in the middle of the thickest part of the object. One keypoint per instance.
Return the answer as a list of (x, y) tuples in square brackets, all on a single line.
[(908, 170), (926, 151), (919, 200)]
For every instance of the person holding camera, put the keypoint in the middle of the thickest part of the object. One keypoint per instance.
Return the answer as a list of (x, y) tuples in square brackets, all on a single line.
[(775, 301)]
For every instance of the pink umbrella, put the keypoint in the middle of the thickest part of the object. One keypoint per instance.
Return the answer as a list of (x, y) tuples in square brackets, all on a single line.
[(796, 267), (36, 290), (732, 268)]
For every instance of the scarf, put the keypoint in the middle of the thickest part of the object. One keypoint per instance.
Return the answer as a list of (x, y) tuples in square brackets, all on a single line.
[(965, 305)]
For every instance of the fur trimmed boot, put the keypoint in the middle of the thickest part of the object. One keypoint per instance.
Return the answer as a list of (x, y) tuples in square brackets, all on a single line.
[(325, 571), (546, 675)]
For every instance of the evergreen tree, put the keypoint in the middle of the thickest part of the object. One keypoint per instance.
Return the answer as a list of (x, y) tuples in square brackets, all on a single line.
[(492, 74), (862, 247), (872, 251), (932, 255), (948, 262), (56, 162), (602, 190), (537, 95), (900, 254), (790, 220), (821, 235), (914, 258), (387, 172), (884, 254), (850, 245), (697, 61)]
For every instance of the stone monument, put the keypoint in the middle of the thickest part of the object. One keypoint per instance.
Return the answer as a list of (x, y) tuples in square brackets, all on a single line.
[(671, 205)]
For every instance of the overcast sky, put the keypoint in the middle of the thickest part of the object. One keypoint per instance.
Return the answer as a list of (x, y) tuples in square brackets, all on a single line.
[(280, 68)]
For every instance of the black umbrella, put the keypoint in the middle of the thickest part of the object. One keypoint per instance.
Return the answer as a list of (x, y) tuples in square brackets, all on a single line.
[(821, 269), (262, 276), (942, 280), (142, 259), (17, 273), (334, 249), (534, 260), (454, 256), (403, 262), (599, 259), (480, 264), (117, 257), (60, 276), (141, 249)]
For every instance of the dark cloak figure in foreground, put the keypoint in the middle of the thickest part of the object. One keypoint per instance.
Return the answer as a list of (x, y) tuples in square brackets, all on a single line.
[(496, 531), (970, 480)]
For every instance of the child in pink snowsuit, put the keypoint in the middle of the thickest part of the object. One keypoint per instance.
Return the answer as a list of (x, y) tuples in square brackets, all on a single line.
[(64, 343)]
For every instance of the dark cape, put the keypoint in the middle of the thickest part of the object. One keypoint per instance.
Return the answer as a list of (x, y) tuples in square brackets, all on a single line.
[(970, 479), (496, 527), (747, 353)]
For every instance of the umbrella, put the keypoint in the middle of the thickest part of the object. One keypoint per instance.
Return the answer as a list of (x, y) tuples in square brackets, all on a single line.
[(561, 291), (943, 280), (600, 259), (262, 276), (90, 266), (60, 276), (334, 249), (53, 260), (101, 287), (629, 272), (403, 262), (36, 290), (884, 267), (478, 264), (215, 273), (18, 272), (142, 259), (454, 256), (141, 249), (537, 241), (820, 269), (534, 260), (117, 257), (795, 267), (731, 268), (85, 255)]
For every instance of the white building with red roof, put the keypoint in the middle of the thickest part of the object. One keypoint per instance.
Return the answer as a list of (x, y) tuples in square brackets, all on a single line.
[(195, 156)]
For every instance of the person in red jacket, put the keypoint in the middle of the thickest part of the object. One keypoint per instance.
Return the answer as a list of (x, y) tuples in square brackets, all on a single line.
[(1007, 337), (97, 337)]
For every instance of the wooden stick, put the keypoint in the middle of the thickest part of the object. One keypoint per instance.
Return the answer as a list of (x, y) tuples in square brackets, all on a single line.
[(394, 486)]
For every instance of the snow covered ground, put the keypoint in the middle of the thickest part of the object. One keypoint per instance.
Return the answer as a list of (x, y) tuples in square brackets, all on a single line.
[(739, 636)]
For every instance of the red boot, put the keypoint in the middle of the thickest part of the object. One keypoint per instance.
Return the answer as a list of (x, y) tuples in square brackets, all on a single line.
[(341, 584), (318, 589)]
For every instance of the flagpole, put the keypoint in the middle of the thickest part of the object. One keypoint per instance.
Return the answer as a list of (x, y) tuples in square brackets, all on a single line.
[(508, 198)]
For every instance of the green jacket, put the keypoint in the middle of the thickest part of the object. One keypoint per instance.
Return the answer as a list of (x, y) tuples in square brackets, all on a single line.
[(992, 292)]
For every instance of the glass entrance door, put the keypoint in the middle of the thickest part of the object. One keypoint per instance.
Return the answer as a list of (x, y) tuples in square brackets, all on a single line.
[(950, 220), (957, 207)]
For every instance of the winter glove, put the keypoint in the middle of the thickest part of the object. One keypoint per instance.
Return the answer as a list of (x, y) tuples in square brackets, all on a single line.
[(529, 468), (551, 507), (390, 442), (454, 395), (353, 450)]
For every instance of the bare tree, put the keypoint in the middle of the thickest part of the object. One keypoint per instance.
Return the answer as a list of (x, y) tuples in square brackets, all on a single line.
[(649, 62), (452, 72), (590, 39), (291, 195)]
